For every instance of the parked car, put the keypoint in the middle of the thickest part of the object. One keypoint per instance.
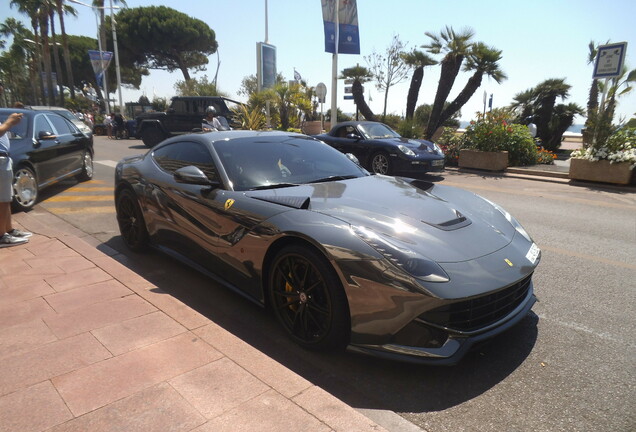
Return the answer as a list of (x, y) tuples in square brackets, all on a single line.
[(69, 116), (382, 150), (45, 148), (389, 266)]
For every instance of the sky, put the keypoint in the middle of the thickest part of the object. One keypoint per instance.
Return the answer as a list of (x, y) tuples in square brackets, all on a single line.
[(539, 40)]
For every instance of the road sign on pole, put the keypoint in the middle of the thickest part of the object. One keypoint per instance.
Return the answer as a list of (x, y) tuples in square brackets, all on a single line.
[(610, 60)]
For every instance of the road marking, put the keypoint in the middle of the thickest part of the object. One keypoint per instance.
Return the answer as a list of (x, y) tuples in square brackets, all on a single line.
[(109, 163), (589, 257), (91, 189), (541, 195), (582, 328), (79, 198), (76, 210)]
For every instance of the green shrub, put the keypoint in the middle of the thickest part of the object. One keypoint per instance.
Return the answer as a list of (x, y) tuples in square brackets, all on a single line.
[(451, 143), (494, 132)]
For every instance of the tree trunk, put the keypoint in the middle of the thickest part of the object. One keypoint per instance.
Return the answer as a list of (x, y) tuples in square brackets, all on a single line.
[(37, 50), (414, 91), (449, 70), (358, 98), (56, 57), (67, 55), (462, 98), (46, 57)]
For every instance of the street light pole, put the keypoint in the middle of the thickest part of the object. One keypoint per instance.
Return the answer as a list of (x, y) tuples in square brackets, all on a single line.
[(117, 71)]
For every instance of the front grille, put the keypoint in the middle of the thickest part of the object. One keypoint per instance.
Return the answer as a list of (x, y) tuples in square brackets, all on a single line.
[(478, 312)]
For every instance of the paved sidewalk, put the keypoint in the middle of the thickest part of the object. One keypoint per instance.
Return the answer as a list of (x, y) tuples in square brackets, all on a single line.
[(88, 345)]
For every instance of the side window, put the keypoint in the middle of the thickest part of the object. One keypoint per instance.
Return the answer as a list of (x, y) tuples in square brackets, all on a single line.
[(179, 106), (178, 155), (60, 124), (41, 125)]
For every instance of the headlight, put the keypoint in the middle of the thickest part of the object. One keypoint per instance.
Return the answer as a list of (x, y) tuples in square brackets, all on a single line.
[(407, 151), (414, 264), (437, 148), (514, 222)]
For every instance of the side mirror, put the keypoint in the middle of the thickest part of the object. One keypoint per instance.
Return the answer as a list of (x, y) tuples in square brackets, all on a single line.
[(193, 175), (353, 136), (46, 135), (353, 158)]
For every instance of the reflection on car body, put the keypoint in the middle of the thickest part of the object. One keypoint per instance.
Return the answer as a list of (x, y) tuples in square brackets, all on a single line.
[(388, 266)]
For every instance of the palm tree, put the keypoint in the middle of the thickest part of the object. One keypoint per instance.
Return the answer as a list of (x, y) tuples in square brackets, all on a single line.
[(63, 9), (360, 75), (523, 105), (456, 46), (31, 9), (484, 61), (43, 18), (546, 94), (418, 60)]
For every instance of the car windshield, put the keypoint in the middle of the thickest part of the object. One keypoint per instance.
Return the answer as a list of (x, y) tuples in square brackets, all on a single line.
[(378, 130), (274, 161), (18, 131)]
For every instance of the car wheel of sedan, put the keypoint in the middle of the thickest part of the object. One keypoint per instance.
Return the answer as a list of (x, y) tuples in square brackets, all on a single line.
[(308, 299), (87, 167), (25, 189), (131, 221), (380, 163), (151, 136)]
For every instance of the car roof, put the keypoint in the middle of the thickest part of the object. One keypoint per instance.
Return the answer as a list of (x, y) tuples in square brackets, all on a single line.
[(16, 110)]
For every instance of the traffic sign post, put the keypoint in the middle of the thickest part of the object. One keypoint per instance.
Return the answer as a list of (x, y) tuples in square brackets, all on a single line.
[(610, 60)]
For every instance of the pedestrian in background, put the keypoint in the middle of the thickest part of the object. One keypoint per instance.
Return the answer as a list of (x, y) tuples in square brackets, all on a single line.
[(9, 236), (108, 121)]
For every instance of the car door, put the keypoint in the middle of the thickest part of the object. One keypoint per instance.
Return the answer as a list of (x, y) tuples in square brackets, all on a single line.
[(70, 143), (44, 152)]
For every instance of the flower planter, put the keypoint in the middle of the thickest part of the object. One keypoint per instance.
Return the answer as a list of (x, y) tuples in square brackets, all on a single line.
[(601, 171), (490, 161), (312, 128)]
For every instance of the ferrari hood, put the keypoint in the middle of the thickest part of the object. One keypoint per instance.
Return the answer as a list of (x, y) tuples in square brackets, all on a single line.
[(443, 223)]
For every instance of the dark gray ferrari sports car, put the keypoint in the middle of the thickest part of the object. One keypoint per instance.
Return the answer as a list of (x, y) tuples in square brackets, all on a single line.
[(389, 266)]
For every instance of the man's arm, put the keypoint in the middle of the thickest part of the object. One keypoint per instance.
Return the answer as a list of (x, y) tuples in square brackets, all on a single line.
[(12, 120)]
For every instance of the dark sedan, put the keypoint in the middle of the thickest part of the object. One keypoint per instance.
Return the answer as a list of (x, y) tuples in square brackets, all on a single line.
[(390, 266), (382, 150), (45, 148)]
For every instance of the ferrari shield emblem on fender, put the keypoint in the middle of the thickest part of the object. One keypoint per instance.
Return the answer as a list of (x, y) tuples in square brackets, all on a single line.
[(508, 262), (229, 203)]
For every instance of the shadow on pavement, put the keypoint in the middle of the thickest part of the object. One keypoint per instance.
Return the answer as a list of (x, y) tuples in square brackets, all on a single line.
[(358, 380)]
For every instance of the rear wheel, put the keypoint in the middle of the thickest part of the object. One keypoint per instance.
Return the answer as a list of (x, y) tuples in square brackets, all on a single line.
[(380, 163), (151, 136), (308, 299), (25, 189), (87, 167), (131, 221)]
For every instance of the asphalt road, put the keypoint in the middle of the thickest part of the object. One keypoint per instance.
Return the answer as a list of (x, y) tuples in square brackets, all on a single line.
[(569, 366)]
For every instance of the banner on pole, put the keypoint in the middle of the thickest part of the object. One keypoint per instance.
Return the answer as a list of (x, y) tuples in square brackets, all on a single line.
[(100, 61), (347, 34)]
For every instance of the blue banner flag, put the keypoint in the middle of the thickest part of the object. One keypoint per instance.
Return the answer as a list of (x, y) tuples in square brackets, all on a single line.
[(347, 34), (100, 61)]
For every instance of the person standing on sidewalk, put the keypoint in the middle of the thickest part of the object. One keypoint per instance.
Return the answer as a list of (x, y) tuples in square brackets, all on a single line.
[(9, 235)]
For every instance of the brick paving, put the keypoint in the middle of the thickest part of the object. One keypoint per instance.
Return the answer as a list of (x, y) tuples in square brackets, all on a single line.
[(88, 345)]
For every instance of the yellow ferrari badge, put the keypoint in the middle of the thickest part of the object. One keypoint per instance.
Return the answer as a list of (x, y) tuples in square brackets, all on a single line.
[(508, 262), (229, 203)]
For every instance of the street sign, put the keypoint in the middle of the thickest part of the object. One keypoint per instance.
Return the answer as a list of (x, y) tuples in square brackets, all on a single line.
[(321, 92), (609, 60)]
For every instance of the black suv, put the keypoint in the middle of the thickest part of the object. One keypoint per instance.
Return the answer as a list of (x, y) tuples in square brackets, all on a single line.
[(184, 116)]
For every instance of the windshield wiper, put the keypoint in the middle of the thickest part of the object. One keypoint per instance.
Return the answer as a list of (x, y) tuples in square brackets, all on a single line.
[(333, 178), (274, 186)]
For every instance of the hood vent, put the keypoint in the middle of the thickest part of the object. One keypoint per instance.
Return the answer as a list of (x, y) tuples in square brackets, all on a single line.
[(460, 221), (287, 201)]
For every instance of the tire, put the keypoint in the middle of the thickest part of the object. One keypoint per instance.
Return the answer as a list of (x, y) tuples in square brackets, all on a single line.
[(380, 163), (25, 189), (87, 167), (308, 299), (151, 136), (131, 221)]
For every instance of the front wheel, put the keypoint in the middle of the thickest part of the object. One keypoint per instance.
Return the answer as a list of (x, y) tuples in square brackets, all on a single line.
[(87, 167), (381, 164), (25, 189), (131, 221), (151, 136), (308, 299)]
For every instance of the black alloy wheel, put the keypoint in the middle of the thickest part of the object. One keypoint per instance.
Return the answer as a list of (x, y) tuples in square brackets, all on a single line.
[(308, 299), (131, 221), (380, 163)]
